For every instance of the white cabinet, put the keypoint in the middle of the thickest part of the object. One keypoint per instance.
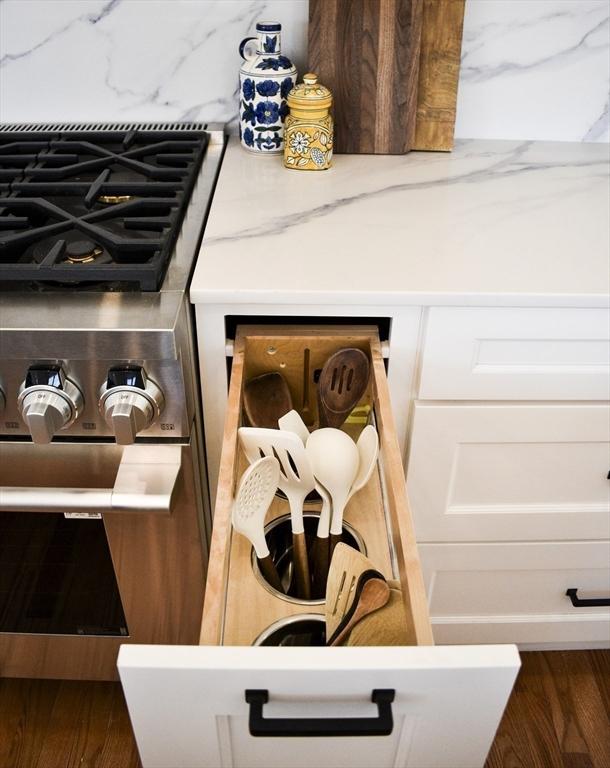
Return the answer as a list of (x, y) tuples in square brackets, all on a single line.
[(508, 473), (502, 472), (479, 353), (487, 592)]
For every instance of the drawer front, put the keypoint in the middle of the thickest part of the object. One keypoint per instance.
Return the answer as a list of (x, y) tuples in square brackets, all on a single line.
[(188, 706), (517, 592), (510, 472), (516, 354)]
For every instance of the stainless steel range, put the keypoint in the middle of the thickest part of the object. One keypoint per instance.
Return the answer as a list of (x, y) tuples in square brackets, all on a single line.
[(100, 425)]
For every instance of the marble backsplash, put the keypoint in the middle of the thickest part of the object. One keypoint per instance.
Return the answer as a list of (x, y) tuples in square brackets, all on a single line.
[(531, 69)]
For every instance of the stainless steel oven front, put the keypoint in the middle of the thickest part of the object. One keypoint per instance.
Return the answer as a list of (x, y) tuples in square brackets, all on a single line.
[(100, 544)]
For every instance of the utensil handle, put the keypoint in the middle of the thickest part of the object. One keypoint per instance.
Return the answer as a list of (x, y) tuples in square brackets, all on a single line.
[(320, 560), (382, 725), (301, 566), (269, 572), (335, 538)]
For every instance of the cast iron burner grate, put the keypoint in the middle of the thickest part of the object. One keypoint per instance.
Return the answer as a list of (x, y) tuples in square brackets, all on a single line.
[(101, 208)]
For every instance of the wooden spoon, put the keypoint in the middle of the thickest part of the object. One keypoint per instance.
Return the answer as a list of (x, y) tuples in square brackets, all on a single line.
[(266, 399), (342, 384), (374, 593)]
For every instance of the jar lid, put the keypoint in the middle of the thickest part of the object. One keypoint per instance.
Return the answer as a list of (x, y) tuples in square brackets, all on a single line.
[(310, 93)]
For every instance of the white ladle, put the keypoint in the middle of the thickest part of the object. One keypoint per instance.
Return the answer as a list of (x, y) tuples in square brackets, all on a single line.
[(255, 493), (296, 480), (368, 450), (335, 462), (292, 422)]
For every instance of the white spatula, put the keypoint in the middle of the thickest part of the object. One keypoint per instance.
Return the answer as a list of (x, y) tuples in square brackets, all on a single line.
[(255, 493), (296, 480)]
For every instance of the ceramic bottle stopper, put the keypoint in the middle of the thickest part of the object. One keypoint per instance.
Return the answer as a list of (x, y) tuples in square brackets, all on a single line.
[(265, 79), (308, 131)]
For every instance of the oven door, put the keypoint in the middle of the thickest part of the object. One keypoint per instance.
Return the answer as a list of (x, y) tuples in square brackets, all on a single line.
[(99, 544)]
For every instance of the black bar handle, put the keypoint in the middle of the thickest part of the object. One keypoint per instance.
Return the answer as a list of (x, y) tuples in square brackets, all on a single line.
[(381, 725), (593, 602)]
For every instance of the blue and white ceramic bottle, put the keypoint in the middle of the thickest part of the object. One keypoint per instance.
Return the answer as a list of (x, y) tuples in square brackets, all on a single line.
[(265, 79)]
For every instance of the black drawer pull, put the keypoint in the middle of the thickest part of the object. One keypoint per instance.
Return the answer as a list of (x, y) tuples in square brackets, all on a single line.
[(381, 725), (593, 602)]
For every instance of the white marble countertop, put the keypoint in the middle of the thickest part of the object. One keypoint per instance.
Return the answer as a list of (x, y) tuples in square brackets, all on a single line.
[(494, 222)]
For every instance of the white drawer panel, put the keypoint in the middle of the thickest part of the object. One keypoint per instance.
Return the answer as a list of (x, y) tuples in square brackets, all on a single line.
[(510, 472), (477, 353), (517, 592)]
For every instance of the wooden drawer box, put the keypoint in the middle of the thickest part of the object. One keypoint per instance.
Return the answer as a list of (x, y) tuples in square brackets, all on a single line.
[(237, 605), (492, 592), (478, 353), (510, 472), (188, 705)]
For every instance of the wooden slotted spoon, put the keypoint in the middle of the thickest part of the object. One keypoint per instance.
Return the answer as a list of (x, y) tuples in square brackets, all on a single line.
[(342, 384)]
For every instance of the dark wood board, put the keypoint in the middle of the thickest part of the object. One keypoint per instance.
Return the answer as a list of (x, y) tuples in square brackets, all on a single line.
[(367, 53), (439, 71)]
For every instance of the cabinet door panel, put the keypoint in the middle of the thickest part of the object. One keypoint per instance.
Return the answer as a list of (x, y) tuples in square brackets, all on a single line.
[(517, 592), (510, 472), (198, 696), (482, 353)]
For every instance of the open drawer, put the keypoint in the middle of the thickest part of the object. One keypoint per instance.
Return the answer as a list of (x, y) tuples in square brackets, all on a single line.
[(410, 705)]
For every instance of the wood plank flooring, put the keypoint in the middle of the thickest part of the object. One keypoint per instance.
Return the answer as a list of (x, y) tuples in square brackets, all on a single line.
[(557, 717)]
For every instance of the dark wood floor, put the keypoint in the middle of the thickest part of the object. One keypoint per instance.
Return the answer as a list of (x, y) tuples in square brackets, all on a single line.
[(557, 717)]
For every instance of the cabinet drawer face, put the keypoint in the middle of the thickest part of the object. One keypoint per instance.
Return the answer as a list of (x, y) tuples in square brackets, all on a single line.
[(238, 606), (516, 354), (517, 592), (510, 472)]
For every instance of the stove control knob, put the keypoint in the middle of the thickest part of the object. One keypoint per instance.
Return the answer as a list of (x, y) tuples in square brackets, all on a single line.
[(2, 400), (48, 401), (130, 402)]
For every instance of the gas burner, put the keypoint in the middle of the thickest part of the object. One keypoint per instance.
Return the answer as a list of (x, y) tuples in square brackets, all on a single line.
[(113, 199), (82, 252)]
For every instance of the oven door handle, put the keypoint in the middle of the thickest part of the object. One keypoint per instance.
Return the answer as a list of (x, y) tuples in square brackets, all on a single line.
[(145, 482)]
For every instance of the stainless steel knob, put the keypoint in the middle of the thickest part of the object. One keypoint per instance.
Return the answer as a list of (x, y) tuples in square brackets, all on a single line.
[(48, 402), (130, 402)]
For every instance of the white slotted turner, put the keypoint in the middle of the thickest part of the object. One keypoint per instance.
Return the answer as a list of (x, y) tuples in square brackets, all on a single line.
[(255, 493), (296, 480)]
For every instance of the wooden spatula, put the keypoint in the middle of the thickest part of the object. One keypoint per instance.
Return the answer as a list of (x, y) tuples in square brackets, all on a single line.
[(266, 399), (346, 568), (372, 593), (342, 384)]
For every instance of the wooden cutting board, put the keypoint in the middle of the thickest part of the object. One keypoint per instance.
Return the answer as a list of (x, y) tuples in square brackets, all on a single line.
[(367, 53), (393, 67), (439, 71)]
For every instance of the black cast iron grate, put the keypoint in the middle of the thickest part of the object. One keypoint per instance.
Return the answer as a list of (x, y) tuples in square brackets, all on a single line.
[(93, 208)]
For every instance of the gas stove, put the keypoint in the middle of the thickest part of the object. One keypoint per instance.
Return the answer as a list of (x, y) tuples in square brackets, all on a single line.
[(99, 228), (97, 209)]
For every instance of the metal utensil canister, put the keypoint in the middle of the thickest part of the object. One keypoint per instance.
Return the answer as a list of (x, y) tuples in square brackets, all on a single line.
[(308, 130)]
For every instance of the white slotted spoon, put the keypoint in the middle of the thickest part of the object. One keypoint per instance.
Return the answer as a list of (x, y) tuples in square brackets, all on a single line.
[(255, 493), (296, 480)]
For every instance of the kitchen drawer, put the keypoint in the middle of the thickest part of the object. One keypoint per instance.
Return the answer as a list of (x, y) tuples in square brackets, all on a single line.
[(510, 472), (477, 353), (188, 705), (516, 593)]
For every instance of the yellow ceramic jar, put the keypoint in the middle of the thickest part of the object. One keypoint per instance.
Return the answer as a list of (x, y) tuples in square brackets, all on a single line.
[(308, 130)]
